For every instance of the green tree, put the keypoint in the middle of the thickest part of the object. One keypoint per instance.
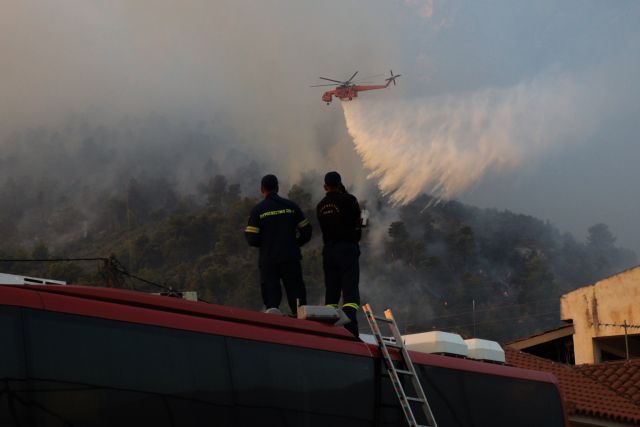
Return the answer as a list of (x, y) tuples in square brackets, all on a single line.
[(301, 197), (603, 251), (214, 190), (600, 237), (40, 251), (462, 248)]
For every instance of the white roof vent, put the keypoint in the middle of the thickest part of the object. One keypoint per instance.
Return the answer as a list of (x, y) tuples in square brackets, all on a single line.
[(12, 279), (437, 342), (485, 350), (188, 295)]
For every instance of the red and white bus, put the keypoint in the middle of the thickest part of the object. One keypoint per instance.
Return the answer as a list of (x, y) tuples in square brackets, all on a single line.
[(86, 356)]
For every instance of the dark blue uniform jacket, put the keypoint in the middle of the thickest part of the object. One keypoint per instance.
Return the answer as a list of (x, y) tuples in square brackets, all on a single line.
[(278, 227), (339, 217)]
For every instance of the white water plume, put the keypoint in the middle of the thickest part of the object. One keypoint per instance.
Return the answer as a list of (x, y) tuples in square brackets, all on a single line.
[(443, 145)]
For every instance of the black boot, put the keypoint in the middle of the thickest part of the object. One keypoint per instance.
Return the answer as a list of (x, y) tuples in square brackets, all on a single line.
[(353, 325)]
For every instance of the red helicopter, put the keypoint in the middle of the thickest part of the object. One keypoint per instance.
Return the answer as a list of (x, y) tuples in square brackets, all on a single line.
[(348, 90)]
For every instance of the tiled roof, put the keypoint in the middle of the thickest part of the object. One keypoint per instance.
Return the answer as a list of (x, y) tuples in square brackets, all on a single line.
[(622, 376), (583, 395)]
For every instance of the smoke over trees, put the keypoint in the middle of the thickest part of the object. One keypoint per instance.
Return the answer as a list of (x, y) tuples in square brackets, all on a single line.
[(175, 216)]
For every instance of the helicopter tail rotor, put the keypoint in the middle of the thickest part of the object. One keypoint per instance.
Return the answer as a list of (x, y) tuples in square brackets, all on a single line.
[(393, 78)]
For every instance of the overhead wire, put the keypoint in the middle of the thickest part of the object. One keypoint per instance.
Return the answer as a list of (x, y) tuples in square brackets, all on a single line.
[(110, 262), (53, 259), (494, 308), (503, 319), (619, 325)]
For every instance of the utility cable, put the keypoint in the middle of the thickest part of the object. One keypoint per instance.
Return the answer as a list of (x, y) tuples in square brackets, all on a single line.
[(497, 307), (54, 260), (619, 325), (503, 320), (111, 263)]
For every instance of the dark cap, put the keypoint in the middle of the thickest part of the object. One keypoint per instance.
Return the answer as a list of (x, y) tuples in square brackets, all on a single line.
[(269, 182), (332, 179)]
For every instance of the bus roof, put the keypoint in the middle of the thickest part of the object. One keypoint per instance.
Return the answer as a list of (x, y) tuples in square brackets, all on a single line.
[(139, 307)]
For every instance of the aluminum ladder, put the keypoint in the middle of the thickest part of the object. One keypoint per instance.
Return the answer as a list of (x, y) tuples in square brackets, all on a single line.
[(397, 342)]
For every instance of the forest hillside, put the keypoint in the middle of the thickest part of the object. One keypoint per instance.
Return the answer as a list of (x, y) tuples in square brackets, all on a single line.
[(446, 265)]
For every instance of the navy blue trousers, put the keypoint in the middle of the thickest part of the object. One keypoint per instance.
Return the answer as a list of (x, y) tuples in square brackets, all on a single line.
[(340, 261), (290, 275)]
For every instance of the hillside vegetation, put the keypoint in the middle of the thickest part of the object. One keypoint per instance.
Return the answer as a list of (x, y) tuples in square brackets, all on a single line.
[(431, 262), (430, 266)]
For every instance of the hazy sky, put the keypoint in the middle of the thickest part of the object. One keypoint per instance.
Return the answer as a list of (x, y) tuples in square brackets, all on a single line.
[(254, 60)]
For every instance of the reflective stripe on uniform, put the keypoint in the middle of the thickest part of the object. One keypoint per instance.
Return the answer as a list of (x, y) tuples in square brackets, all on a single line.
[(303, 223), (252, 229), (278, 212), (332, 305), (351, 305)]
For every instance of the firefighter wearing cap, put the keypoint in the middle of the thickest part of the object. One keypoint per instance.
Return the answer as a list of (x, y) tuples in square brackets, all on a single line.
[(278, 227), (339, 217)]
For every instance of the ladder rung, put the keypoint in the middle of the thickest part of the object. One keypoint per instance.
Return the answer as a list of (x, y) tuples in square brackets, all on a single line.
[(394, 345), (398, 343), (382, 319)]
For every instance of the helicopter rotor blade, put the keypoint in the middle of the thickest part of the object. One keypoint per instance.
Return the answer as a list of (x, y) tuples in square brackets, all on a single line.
[(351, 78), (322, 85), (331, 80)]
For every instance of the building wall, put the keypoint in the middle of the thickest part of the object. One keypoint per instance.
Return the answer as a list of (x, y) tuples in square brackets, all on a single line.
[(612, 300)]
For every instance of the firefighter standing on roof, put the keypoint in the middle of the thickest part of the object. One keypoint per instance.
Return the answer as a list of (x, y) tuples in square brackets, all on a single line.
[(339, 217), (278, 227)]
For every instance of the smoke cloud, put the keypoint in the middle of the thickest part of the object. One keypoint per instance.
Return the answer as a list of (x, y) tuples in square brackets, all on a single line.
[(237, 72), (246, 65), (445, 144)]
